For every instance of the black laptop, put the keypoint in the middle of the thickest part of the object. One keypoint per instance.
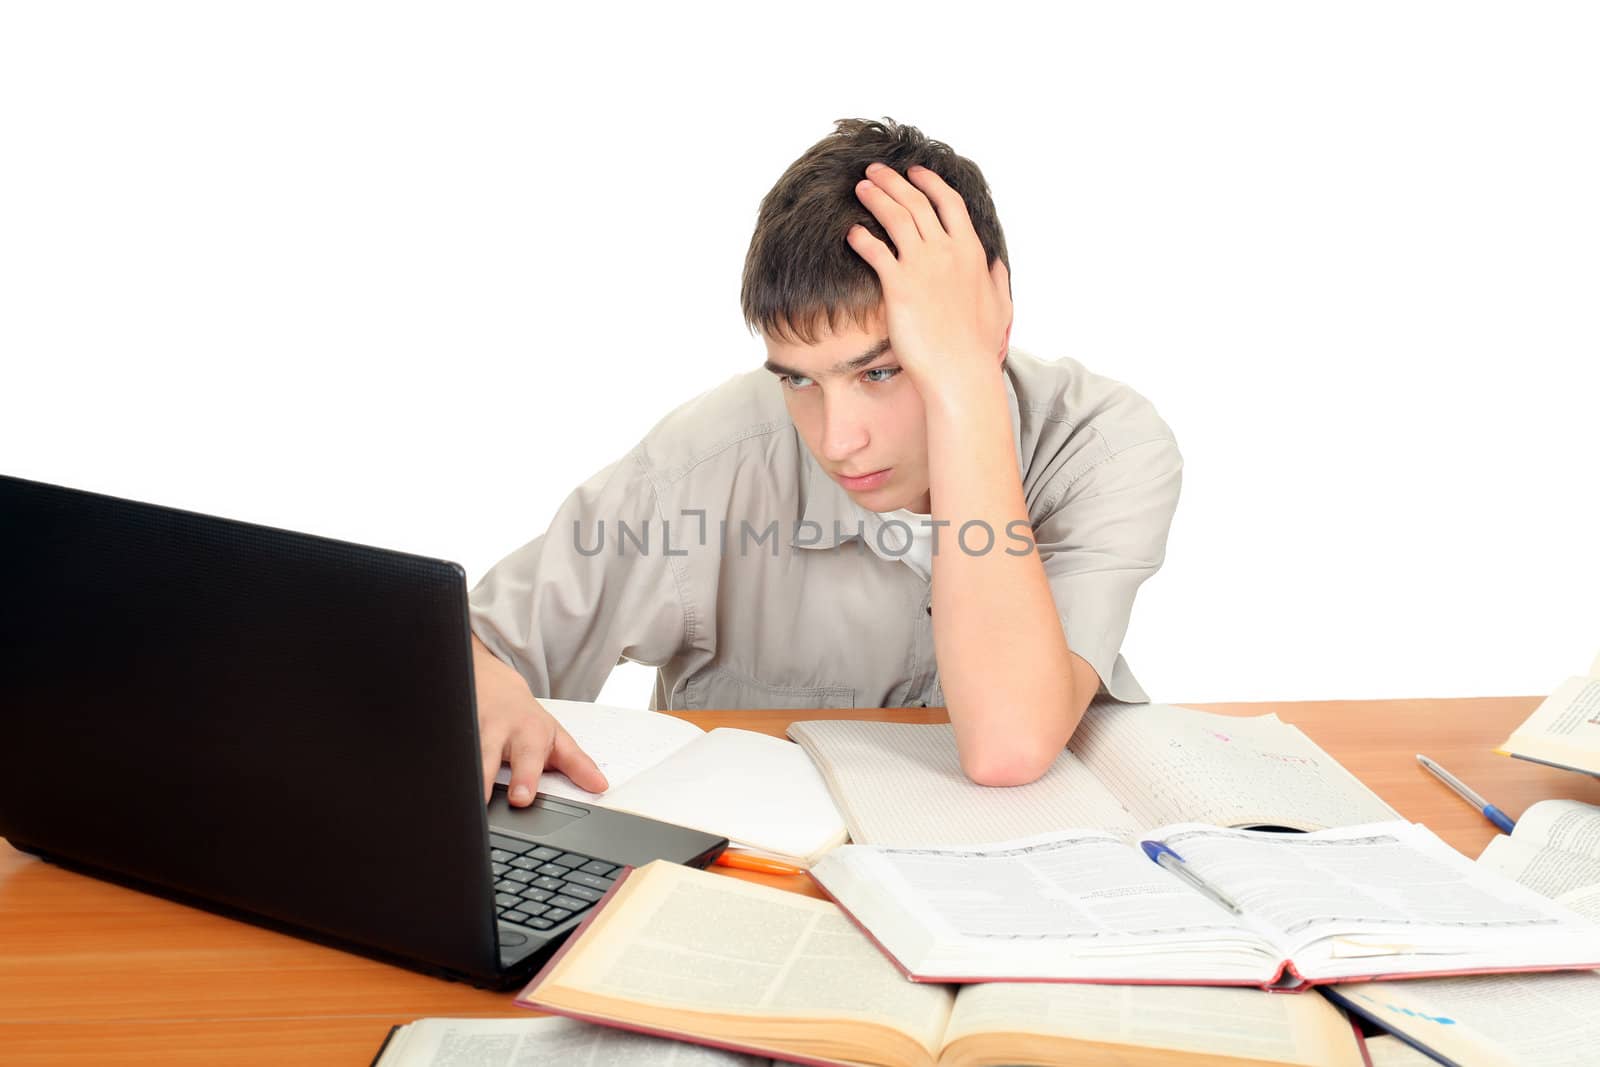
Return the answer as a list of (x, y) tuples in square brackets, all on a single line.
[(282, 728)]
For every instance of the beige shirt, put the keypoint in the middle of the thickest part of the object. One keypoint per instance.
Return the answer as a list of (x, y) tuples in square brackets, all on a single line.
[(719, 552)]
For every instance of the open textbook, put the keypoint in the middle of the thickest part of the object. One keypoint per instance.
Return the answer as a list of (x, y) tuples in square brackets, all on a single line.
[(1386, 899), (760, 792), (1555, 851), (1536, 1020), (1128, 767), (683, 953), (1564, 730), (527, 1042)]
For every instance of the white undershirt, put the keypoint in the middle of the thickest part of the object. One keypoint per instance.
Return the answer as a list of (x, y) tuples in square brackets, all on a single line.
[(919, 555)]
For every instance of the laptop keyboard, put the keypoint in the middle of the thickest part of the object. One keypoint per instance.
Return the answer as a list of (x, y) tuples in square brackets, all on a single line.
[(540, 887)]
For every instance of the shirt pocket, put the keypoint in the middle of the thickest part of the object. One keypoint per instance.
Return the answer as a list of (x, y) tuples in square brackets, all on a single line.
[(717, 687)]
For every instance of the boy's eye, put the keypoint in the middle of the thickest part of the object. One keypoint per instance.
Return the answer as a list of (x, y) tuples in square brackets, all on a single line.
[(887, 372), (795, 381)]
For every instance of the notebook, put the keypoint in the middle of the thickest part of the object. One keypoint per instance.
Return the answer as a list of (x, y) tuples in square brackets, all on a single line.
[(1128, 766), (760, 792)]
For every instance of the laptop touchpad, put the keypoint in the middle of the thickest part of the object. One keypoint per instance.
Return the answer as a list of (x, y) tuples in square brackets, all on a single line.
[(544, 816)]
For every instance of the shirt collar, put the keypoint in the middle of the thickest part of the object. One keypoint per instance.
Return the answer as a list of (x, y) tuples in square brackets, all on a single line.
[(840, 518)]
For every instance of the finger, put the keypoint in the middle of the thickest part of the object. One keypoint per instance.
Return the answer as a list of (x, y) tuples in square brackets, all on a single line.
[(1002, 281), (529, 744), (875, 252), (575, 763), (908, 196), (952, 209), (896, 220), (493, 750)]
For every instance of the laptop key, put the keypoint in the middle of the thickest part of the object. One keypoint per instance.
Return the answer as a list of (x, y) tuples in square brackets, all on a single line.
[(547, 883), (506, 900), (600, 867), (523, 863), (532, 908), (514, 917), (544, 852), (499, 868), (539, 922), (509, 844), (521, 876), (500, 855), (557, 914), (570, 859), (540, 895), (506, 885), (553, 869), (582, 892), (593, 881), (561, 900)]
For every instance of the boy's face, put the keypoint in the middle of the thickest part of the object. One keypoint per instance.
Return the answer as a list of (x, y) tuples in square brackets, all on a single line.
[(858, 413)]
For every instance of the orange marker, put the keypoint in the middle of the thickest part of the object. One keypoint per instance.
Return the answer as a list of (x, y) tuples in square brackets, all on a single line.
[(745, 862)]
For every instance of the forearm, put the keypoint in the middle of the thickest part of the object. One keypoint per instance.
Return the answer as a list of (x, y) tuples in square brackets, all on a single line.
[(1004, 663)]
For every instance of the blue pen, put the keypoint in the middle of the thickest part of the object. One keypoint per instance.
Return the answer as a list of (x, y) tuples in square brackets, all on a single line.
[(1169, 860), (1505, 822)]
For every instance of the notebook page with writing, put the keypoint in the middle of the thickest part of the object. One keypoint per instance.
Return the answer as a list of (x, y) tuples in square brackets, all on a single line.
[(902, 784), (1171, 764)]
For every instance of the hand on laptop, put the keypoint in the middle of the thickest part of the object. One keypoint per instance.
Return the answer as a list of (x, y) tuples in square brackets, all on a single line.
[(513, 728)]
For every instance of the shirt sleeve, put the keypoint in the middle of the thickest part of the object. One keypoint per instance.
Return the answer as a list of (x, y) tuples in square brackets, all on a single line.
[(1105, 535), (599, 587)]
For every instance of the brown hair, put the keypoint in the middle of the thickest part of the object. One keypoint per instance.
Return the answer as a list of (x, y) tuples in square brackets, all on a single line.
[(800, 273)]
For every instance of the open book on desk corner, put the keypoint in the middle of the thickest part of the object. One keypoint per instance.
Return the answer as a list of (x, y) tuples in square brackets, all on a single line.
[(1128, 767), (684, 953), (1501, 1020), (760, 792), (1356, 903), (1564, 730)]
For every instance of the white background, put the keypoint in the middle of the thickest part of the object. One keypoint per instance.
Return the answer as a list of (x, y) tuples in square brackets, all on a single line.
[(406, 275)]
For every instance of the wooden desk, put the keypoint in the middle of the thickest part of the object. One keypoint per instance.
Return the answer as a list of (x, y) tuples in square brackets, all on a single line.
[(92, 973)]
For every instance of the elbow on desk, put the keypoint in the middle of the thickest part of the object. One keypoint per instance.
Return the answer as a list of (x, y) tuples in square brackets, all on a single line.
[(1006, 765)]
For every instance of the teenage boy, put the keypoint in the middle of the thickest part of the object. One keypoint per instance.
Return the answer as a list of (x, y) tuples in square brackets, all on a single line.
[(898, 509)]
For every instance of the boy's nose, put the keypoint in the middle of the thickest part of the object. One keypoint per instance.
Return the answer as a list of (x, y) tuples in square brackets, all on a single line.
[(843, 434)]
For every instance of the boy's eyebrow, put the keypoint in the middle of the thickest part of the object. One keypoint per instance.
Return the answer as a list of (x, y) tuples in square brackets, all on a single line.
[(842, 367)]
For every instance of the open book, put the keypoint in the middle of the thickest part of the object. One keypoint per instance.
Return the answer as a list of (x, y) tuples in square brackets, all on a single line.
[(1564, 730), (1386, 899), (1552, 1020), (1555, 851), (1128, 766), (527, 1041), (684, 953), (760, 792)]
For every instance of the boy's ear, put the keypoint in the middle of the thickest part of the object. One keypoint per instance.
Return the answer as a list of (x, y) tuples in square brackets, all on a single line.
[(1005, 345)]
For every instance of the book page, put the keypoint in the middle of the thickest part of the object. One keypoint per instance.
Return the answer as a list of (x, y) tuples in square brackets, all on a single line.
[(1248, 1024), (1496, 1020), (1564, 728), (1549, 872), (683, 939), (1569, 825), (1389, 890), (1076, 904), (762, 792), (1172, 764), (902, 784), (538, 1041), (1386, 1050), (1585, 902), (621, 741)]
